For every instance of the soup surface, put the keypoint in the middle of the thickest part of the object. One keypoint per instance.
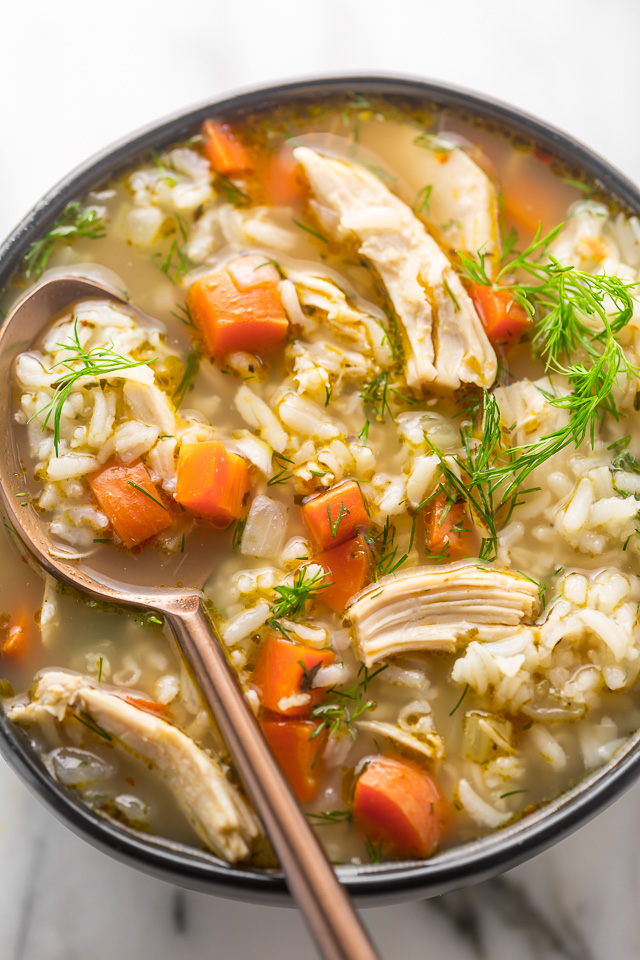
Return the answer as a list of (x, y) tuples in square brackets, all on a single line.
[(390, 391)]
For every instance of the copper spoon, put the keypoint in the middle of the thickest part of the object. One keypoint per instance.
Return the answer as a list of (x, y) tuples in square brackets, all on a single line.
[(332, 920)]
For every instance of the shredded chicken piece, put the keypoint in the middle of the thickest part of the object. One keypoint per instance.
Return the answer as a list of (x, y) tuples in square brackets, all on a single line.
[(438, 608), (214, 807), (463, 204), (526, 413), (360, 330), (445, 343), (430, 745)]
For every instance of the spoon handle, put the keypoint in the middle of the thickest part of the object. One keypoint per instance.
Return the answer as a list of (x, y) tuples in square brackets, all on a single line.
[(311, 879)]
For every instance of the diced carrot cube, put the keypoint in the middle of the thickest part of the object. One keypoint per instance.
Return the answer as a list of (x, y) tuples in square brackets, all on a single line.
[(298, 750), (224, 152), (448, 529), (212, 482), (399, 804), (234, 316), (335, 516), (19, 641), (131, 501), (503, 318), (533, 196), (284, 183), (347, 567), (284, 672)]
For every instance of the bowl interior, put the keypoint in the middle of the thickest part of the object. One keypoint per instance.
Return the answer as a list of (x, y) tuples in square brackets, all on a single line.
[(370, 883)]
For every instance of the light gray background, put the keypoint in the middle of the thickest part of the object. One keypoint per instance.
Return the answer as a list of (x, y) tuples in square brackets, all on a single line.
[(74, 76)]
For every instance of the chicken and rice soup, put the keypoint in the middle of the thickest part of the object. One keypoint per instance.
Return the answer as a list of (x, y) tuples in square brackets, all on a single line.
[(391, 386)]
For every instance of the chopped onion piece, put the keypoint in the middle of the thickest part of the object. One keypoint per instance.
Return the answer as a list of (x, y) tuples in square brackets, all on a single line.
[(265, 529), (485, 735), (74, 767)]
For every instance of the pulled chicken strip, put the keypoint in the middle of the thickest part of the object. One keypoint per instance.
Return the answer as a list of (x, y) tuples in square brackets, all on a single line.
[(439, 608), (213, 806), (445, 344)]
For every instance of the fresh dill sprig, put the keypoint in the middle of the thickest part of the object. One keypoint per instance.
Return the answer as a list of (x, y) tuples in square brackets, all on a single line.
[(175, 264), (75, 221), (375, 395), (378, 393), (184, 315), (91, 724), (327, 817), (282, 476), (431, 141), (98, 362), (423, 200), (191, 368), (136, 486), (578, 316), (374, 850), (464, 474), (309, 230), (462, 696), (385, 551), (341, 707), (293, 599), (233, 193), (589, 399), (238, 530), (334, 524)]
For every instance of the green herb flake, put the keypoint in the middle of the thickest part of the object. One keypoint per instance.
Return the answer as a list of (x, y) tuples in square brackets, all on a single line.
[(462, 696), (75, 221), (136, 486)]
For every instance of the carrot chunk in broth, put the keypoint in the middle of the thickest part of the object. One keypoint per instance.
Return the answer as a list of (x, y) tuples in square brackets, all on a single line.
[(212, 482), (335, 516), (231, 316), (18, 643), (399, 805), (284, 675), (503, 319), (284, 182), (298, 749), (448, 529), (131, 501), (347, 567), (223, 150)]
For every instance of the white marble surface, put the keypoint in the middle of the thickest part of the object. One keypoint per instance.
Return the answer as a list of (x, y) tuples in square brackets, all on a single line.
[(76, 75)]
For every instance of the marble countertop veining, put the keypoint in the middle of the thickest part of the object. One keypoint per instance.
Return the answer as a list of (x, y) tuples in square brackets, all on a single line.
[(75, 76)]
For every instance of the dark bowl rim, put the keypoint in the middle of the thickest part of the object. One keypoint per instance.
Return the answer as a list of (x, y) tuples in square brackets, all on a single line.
[(470, 862)]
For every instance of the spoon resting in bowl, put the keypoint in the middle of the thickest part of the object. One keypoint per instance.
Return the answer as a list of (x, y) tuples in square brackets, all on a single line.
[(310, 877)]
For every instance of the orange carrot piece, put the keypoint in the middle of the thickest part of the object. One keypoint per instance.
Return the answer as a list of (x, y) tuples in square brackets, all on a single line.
[(335, 516), (298, 750), (19, 641), (347, 567), (232, 319), (448, 529), (398, 804), (503, 319), (284, 670), (131, 501), (150, 706), (225, 154), (533, 195), (284, 183), (212, 482)]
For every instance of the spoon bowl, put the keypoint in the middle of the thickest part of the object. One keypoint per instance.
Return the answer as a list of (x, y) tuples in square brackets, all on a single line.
[(311, 879)]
